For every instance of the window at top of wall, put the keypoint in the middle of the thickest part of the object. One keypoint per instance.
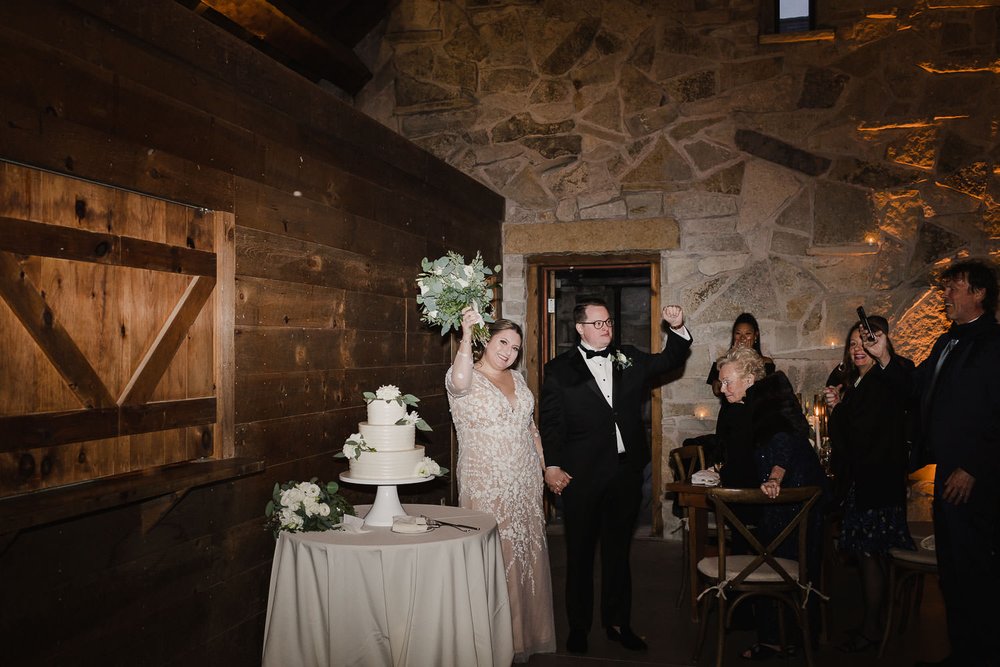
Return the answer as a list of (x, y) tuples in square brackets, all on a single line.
[(790, 22), (787, 16), (794, 15)]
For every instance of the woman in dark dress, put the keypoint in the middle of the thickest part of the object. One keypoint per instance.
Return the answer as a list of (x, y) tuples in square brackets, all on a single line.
[(778, 435), (869, 461)]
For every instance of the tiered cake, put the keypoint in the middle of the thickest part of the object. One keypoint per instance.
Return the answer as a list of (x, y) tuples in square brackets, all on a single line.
[(387, 449)]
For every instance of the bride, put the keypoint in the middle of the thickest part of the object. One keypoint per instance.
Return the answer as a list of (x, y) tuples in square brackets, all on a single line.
[(499, 471)]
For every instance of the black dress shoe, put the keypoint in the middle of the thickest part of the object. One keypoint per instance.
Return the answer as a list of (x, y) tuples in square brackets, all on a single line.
[(627, 638), (577, 642)]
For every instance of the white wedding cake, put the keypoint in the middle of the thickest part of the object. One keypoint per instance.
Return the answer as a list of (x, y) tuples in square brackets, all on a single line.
[(384, 448)]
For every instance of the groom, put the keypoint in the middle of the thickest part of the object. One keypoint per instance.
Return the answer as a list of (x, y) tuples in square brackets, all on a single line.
[(595, 451)]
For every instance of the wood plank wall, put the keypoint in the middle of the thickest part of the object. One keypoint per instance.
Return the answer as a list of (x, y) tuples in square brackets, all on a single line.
[(333, 214)]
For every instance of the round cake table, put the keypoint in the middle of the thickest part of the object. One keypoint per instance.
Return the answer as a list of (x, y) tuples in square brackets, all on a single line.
[(383, 598)]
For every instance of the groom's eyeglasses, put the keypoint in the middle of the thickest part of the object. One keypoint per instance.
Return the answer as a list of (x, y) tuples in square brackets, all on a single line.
[(600, 324)]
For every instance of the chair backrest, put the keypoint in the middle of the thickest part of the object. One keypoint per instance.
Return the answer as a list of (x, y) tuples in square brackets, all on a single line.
[(688, 460), (723, 498)]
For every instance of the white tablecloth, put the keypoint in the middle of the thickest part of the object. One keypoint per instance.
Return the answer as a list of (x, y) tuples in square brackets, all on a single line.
[(382, 598)]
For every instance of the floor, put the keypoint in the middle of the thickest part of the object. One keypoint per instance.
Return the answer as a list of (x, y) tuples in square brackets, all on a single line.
[(671, 635)]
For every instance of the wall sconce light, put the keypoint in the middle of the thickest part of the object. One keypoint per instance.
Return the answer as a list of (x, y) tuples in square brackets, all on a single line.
[(871, 239)]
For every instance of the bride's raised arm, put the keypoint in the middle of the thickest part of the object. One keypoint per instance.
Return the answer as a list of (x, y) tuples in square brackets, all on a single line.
[(459, 381)]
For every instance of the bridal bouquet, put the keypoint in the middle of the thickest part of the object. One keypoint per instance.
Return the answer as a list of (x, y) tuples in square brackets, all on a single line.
[(300, 507), (448, 285)]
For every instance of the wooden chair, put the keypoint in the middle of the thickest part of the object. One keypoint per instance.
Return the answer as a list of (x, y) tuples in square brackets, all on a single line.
[(687, 460), (760, 573), (906, 567)]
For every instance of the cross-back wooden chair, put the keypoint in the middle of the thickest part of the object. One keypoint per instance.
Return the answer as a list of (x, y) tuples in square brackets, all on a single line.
[(760, 573), (906, 566), (687, 460)]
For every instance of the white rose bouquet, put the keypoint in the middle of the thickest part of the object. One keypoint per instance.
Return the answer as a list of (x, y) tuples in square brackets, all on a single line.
[(448, 285), (305, 506)]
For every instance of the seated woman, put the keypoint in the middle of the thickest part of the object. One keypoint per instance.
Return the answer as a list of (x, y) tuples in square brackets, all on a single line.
[(731, 425), (783, 458), (869, 460)]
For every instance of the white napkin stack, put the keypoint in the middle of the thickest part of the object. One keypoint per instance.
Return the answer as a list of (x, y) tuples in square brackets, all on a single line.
[(705, 478)]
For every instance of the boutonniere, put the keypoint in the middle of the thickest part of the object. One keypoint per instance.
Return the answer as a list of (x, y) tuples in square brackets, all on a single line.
[(620, 360)]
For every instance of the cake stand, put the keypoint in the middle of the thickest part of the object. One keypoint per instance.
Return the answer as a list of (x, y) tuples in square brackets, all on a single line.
[(387, 503)]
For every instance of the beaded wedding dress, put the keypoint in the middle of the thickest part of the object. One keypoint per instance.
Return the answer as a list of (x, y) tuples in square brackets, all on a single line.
[(499, 471)]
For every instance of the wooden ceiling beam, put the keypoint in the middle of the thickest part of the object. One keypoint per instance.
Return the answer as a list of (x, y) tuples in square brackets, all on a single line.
[(306, 50)]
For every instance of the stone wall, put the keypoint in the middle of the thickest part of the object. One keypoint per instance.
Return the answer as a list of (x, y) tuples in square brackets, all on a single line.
[(804, 177)]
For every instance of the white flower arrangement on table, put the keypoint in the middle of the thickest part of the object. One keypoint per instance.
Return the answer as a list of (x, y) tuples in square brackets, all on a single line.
[(448, 285), (620, 360), (300, 507)]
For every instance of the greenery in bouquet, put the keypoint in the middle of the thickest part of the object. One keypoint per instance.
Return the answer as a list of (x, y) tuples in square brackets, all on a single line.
[(448, 285), (299, 507)]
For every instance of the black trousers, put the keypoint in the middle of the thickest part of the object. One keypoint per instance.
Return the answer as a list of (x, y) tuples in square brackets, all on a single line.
[(605, 515), (966, 543)]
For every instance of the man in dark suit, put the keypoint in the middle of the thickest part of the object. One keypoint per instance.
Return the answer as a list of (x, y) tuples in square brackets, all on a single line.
[(595, 451), (958, 390)]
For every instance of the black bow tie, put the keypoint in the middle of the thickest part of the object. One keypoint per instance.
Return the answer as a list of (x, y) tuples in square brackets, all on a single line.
[(597, 353)]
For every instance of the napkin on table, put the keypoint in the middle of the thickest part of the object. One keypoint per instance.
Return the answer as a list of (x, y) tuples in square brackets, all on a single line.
[(705, 478)]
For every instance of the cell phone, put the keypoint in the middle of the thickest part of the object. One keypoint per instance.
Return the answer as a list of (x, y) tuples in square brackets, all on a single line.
[(865, 324)]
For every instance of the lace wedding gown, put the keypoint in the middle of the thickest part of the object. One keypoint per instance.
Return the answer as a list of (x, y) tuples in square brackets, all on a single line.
[(499, 471)]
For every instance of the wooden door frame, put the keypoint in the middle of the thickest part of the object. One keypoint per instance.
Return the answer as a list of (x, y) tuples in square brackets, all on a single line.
[(534, 330)]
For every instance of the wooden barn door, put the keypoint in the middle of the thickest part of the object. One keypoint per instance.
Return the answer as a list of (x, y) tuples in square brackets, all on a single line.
[(116, 326)]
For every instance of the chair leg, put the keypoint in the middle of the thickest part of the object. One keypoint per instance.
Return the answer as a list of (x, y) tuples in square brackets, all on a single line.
[(684, 567), (782, 634), (720, 644), (908, 600), (806, 635), (888, 615), (918, 597), (701, 627)]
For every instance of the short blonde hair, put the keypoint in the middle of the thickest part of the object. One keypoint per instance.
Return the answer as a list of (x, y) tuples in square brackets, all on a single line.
[(746, 360)]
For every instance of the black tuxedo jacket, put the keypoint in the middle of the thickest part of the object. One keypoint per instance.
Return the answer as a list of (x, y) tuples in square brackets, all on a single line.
[(578, 425)]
